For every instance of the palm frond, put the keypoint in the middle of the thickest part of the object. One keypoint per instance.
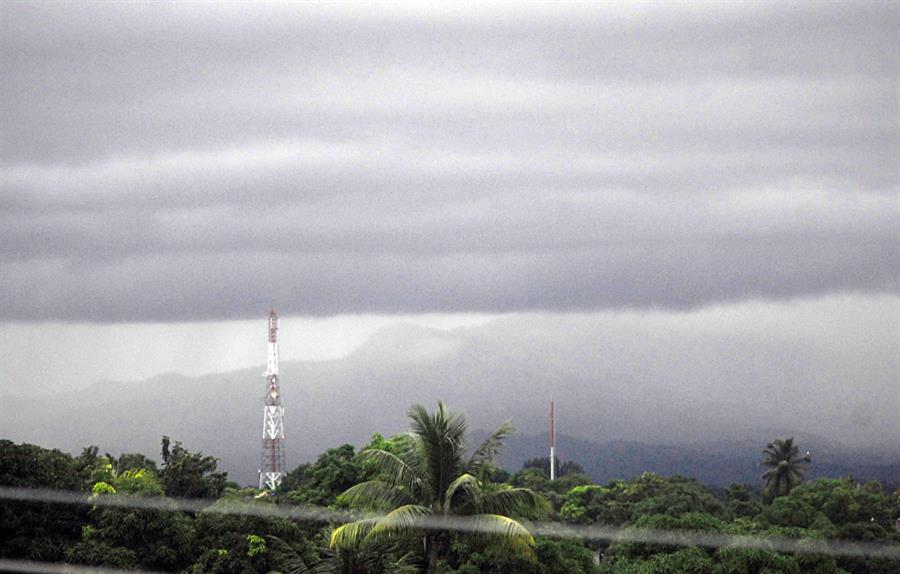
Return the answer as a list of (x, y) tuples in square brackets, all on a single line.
[(403, 565), (441, 445), (396, 471), (505, 532), (488, 450), (287, 557), (456, 427), (375, 495), (430, 441), (513, 501), (462, 492), (352, 534), (421, 420), (400, 521)]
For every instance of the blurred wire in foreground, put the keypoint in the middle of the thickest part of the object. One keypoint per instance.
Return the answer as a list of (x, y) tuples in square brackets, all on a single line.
[(307, 513), (7, 565)]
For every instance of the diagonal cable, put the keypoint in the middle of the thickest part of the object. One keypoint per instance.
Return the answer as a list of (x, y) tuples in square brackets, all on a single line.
[(593, 532)]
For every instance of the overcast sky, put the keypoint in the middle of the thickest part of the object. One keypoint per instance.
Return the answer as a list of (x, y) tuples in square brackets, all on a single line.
[(168, 163)]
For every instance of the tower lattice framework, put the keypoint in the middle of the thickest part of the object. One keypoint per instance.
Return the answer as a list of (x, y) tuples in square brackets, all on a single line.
[(271, 467)]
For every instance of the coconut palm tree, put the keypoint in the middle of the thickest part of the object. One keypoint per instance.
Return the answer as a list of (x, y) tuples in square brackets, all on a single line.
[(429, 480), (786, 468)]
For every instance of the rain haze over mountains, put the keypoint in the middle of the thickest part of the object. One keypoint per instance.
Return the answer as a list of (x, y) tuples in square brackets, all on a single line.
[(678, 222)]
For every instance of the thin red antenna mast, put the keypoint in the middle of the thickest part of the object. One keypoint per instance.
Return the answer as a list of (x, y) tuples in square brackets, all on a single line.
[(552, 443)]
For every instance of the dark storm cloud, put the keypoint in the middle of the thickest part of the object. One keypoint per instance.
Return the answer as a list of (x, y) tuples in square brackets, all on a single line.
[(165, 162)]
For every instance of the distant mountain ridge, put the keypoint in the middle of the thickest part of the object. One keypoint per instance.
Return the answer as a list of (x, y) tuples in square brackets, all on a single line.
[(614, 390), (715, 464)]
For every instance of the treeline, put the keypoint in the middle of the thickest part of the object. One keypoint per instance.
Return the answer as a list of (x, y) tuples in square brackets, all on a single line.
[(429, 473)]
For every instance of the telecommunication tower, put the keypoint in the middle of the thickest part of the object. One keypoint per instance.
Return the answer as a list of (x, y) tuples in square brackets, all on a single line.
[(552, 444), (271, 468)]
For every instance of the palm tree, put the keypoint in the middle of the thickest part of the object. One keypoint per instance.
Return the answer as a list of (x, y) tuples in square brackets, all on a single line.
[(786, 470), (430, 479)]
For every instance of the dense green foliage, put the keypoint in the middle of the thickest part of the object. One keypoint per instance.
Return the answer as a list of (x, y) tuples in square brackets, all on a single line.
[(825, 508), (449, 483), (40, 531)]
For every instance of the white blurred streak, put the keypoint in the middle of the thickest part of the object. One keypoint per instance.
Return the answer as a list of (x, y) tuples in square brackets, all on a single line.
[(467, 524)]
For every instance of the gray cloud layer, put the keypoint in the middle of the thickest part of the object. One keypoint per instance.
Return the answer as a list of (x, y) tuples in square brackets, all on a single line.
[(167, 162)]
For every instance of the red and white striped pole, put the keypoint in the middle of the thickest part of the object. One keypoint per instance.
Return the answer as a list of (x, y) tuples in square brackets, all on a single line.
[(552, 444)]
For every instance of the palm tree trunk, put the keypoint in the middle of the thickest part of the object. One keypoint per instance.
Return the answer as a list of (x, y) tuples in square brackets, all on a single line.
[(431, 550)]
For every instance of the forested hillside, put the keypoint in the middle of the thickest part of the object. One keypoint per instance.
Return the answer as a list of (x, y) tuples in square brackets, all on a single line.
[(406, 482)]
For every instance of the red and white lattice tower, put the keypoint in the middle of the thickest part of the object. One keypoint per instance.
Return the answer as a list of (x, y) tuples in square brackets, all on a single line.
[(271, 468)]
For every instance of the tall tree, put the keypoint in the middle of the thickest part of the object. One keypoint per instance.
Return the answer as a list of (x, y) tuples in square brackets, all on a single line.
[(189, 474), (432, 478), (786, 467)]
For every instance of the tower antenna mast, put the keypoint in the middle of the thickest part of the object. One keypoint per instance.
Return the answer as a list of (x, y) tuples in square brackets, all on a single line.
[(552, 443), (271, 468)]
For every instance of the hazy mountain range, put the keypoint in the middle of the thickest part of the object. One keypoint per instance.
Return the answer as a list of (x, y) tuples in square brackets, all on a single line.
[(620, 390), (717, 463)]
